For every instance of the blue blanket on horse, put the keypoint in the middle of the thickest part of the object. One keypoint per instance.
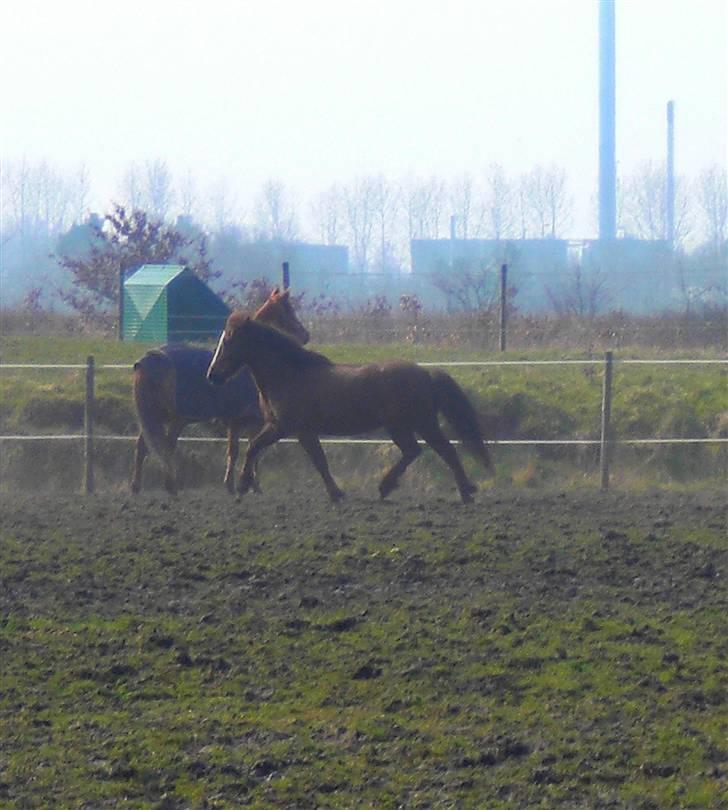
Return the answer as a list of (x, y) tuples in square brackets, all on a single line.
[(197, 399)]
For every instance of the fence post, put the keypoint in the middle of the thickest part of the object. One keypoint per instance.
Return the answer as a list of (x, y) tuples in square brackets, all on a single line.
[(286, 276), (605, 444), (503, 306), (88, 429)]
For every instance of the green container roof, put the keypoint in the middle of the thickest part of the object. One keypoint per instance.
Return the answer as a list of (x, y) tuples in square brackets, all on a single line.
[(154, 275)]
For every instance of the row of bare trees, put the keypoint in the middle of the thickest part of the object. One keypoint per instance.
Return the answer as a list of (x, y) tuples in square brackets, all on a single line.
[(375, 216)]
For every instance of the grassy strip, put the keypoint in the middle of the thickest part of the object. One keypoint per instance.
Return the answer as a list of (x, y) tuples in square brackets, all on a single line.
[(514, 402)]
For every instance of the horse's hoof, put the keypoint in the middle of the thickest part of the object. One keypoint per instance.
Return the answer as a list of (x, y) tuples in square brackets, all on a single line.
[(337, 496), (135, 488), (468, 488), (467, 492)]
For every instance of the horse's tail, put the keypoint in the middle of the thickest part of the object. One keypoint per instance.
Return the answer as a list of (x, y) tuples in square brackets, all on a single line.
[(460, 413), (154, 398)]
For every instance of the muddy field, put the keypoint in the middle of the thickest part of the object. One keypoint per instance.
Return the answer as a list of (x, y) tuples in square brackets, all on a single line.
[(531, 649)]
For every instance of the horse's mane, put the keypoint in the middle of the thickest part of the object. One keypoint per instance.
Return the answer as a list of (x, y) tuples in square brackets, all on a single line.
[(287, 348)]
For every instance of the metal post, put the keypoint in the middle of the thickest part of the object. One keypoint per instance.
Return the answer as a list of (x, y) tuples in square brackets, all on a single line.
[(88, 429), (605, 444), (607, 122), (286, 276), (121, 304), (503, 305), (670, 180)]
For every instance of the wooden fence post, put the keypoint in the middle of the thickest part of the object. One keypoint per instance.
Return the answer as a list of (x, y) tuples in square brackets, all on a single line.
[(503, 306), (606, 438), (88, 429), (286, 276)]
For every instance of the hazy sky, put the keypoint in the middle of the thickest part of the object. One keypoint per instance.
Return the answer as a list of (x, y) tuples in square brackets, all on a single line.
[(318, 91)]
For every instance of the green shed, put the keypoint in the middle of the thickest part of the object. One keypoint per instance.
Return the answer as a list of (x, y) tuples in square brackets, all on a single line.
[(167, 303)]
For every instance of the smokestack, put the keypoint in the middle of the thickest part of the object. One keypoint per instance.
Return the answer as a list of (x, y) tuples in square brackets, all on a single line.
[(670, 184), (607, 125)]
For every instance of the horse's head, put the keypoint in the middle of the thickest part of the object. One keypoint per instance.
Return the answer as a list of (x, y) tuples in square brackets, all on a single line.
[(278, 311), (229, 355)]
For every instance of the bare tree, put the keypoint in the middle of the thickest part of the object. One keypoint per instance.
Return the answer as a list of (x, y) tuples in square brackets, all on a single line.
[(424, 203), (158, 188), (712, 196), (187, 194), (644, 204), (327, 214), (276, 212), (583, 294), (148, 187), (131, 188), (222, 203), (500, 204), (523, 208), (546, 201), (38, 200), (359, 208), (80, 185), (384, 203), (465, 206), (471, 287)]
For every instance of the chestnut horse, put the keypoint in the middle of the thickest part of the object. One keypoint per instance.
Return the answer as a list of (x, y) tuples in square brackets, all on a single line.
[(171, 391), (306, 395)]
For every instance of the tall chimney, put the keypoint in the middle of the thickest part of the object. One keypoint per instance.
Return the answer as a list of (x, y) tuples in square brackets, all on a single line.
[(607, 126), (670, 176)]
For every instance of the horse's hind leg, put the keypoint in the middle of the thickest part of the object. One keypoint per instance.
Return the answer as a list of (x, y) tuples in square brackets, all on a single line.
[(250, 429), (267, 436), (140, 453), (232, 457), (315, 452), (437, 440), (407, 443), (169, 458)]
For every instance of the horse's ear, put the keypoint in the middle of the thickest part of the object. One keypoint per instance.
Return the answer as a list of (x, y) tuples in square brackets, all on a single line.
[(275, 292)]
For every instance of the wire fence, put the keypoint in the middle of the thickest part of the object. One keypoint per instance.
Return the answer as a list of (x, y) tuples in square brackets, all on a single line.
[(606, 440)]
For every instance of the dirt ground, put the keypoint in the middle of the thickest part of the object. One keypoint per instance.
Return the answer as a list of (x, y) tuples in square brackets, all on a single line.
[(566, 648)]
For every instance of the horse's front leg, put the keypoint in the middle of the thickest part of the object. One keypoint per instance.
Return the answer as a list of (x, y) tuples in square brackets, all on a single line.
[(312, 446), (269, 435), (233, 431), (170, 460)]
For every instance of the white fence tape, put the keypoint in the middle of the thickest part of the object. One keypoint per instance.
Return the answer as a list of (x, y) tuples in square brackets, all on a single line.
[(499, 442)]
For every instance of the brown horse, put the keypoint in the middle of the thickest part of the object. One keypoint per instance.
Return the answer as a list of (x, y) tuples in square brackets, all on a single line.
[(171, 391), (305, 395)]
